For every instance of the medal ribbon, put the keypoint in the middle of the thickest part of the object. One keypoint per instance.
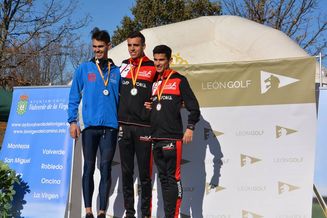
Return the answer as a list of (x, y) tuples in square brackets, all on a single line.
[(162, 87), (134, 77), (105, 81)]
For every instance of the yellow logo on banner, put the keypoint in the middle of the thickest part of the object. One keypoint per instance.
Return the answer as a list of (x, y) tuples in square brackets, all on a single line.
[(272, 81), (177, 59), (283, 131), (247, 214), (215, 189), (284, 187), (247, 160), (211, 133)]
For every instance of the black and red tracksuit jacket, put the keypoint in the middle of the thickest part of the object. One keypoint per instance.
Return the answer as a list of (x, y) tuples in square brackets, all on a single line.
[(167, 123), (131, 109)]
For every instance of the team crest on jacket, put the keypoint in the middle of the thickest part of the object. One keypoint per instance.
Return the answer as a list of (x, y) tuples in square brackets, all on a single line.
[(91, 77), (146, 74), (171, 87)]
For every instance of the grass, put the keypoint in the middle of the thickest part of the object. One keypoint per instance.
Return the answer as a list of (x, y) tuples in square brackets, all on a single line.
[(317, 211)]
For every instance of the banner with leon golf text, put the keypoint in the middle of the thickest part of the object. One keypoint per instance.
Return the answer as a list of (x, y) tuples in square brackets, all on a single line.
[(38, 147), (257, 131)]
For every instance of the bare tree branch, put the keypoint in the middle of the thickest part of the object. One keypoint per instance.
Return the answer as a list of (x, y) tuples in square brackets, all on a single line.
[(36, 33), (299, 19)]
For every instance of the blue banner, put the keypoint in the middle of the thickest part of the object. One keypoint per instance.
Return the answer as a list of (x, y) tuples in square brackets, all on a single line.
[(320, 179), (38, 147)]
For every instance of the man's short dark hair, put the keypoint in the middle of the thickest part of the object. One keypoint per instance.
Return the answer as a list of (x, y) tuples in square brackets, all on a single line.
[(100, 35), (162, 49), (137, 34)]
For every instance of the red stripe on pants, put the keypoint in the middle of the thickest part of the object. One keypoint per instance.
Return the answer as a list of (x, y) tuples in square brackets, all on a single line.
[(178, 174)]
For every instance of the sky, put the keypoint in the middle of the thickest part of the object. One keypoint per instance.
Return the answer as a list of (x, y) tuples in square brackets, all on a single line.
[(106, 14)]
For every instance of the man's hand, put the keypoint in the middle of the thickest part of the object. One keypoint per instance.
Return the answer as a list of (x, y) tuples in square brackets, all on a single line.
[(148, 105), (188, 136), (74, 131)]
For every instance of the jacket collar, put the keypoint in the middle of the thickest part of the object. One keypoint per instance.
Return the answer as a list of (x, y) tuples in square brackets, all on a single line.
[(104, 62), (136, 61)]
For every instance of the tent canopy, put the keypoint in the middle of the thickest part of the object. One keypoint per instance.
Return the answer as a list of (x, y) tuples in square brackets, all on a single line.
[(213, 39)]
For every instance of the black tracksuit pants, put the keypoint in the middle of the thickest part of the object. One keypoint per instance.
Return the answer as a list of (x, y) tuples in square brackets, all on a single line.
[(167, 156), (130, 145)]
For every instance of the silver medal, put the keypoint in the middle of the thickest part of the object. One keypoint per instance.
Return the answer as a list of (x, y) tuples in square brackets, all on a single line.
[(158, 107), (134, 91), (105, 92)]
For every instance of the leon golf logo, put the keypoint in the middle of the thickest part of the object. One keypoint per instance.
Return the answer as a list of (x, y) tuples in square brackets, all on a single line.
[(248, 160), (247, 214), (284, 188), (210, 188), (22, 105), (272, 81), (283, 131)]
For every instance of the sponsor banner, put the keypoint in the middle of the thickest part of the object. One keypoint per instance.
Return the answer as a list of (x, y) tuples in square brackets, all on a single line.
[(257, 131), (252, 83), (38, 147), (321, 146)]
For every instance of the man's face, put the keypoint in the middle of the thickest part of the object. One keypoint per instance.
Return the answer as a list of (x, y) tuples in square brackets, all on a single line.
[(100, 49), (135, 47), (161, 62)]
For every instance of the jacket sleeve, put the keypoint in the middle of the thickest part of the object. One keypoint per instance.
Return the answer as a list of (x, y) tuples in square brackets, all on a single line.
[(75, 95), (190, 101)]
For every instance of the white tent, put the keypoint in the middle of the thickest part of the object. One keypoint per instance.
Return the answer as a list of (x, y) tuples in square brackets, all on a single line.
[(214, 39)]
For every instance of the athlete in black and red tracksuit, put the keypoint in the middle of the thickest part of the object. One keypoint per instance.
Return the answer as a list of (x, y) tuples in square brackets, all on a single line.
[(170, 93), (137, 76)]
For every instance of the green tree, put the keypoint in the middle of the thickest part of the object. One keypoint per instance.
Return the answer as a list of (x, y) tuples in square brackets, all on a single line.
[(152, 13)]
